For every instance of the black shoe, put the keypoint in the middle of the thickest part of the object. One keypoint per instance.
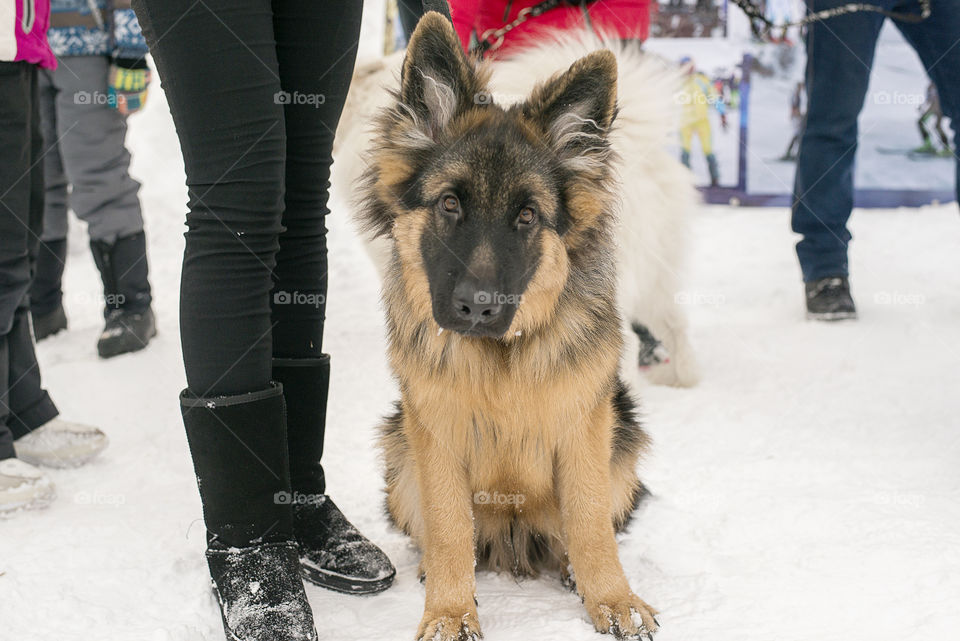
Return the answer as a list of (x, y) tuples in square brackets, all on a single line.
[(126, 294), (126, 331), (333, 553), (829, 299), (45, 325), (260, 593)]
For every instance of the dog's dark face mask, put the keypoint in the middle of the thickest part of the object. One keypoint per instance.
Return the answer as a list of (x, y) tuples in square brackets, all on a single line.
[(490, 197), (491, 188)]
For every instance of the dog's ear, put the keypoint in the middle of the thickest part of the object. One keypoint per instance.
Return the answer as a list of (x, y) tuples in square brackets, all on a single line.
[(436, 79), (576, 108)]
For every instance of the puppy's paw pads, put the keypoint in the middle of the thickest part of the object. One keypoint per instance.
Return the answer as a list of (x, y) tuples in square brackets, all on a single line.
[(449, 628), (629, 619)]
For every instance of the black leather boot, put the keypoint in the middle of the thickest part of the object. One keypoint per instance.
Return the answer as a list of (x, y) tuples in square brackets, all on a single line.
[(239, 450), (333, 553)]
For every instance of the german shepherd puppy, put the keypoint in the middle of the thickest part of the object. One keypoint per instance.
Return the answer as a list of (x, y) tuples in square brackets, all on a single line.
[(515, 444)]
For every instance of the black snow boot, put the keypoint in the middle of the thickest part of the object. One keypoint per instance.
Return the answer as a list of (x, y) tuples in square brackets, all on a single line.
[(260, 593), (130, 323), (333, 553), (238, 445), (829, 299), (46, 295)]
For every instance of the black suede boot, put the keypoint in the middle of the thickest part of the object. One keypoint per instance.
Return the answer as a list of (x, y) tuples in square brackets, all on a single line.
[(46, 295), (130, 323), (238, 444), (333, 553)]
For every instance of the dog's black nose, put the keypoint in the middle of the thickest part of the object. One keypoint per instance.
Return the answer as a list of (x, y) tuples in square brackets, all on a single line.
[(475, 303)]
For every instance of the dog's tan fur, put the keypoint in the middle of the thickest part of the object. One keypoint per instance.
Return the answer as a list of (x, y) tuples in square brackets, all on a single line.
[(539, 413)]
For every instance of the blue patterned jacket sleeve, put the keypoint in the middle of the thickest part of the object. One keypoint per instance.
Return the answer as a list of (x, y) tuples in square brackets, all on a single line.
[(83, 28), (128, 39)]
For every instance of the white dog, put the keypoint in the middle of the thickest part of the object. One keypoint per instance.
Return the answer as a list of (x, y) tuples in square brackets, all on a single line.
[(657, 190)]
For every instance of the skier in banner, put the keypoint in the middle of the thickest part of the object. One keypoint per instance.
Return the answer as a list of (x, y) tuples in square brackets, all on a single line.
[(930, 109), (797, 114), (697, 96)]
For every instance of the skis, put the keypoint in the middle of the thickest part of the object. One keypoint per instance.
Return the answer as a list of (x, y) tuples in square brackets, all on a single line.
[(917, 153)]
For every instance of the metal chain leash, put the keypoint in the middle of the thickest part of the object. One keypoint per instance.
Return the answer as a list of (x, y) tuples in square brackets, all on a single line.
[(761, 25), (493, 38)]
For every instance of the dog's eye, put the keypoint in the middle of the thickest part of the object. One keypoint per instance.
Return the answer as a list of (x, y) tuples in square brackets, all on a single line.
[(527, 216), (450, 204)]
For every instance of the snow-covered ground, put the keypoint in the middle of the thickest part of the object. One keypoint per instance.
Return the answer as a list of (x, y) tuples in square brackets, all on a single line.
[(809, 488)]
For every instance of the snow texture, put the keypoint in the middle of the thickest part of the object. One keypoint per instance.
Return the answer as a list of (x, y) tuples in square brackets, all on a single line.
[(808, 488)]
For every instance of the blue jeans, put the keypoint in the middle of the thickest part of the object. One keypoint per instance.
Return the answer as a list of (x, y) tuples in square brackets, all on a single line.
[(839, 58)]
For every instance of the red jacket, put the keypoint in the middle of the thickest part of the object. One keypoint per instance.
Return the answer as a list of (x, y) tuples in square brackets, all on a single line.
[(624, 19)]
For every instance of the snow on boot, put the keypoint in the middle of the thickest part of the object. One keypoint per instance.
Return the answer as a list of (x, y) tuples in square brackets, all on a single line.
[(126, 332), (829, 299), (260, 593), (45, 325), (130, 323), (333, 553), (59, 443), (23, 487)]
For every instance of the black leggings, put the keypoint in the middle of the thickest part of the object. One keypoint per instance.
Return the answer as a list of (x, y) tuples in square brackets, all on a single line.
[(256, 89)]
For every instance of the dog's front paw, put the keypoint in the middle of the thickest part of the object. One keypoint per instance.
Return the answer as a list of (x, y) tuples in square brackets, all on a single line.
[(449, 627), (628, 618)]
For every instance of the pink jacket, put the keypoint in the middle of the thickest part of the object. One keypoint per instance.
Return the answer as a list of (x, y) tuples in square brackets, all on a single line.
[(23, 32)]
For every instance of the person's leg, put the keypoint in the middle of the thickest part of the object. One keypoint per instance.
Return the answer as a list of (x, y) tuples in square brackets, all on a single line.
[(231, 131), (27, 404), (686, 142), (218, 63), (705, 135), (306, 40), (46, 294), (410, 13), (333, 553), (839, 58), (6, 435), (935, 40), (104, 195)]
